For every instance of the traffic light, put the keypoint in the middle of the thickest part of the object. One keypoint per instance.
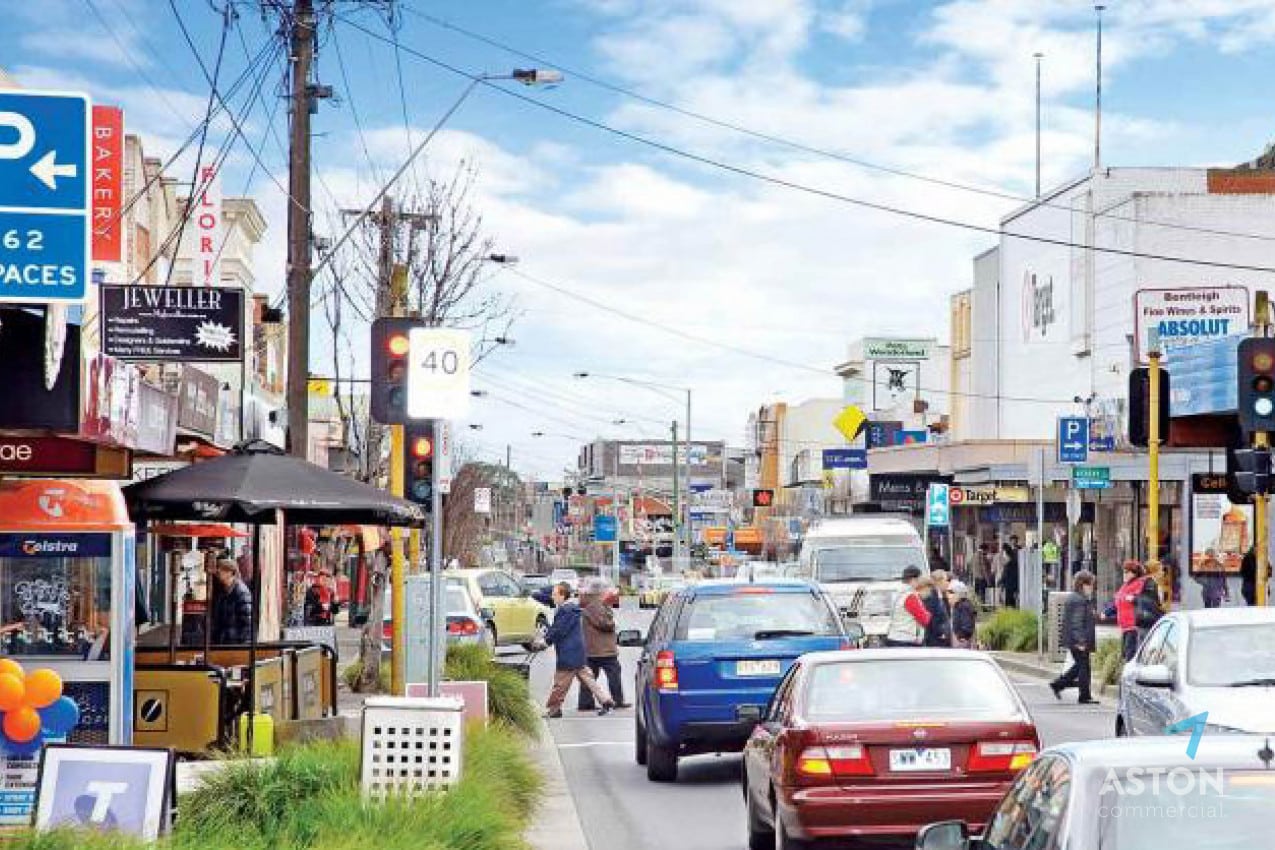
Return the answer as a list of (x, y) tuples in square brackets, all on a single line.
[(1256, 397), (1255, 470), (391, 347), (763, 498), (1140, 406), (418, 464)]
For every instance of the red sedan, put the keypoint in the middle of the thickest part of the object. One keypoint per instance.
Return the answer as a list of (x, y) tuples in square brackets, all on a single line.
[(879, 742)]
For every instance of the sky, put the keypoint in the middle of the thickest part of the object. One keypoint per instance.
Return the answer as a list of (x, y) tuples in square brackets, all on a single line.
[(661, 246)]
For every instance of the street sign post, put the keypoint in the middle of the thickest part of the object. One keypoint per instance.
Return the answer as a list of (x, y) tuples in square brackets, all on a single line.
[(1091, 477), (438, 373), (604, 528), (45, 232), (845, 458), (938, 506), (1073, 439)]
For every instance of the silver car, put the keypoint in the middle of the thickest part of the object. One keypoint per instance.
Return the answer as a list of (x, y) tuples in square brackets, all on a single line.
[(1220, 661), (1144, 794)]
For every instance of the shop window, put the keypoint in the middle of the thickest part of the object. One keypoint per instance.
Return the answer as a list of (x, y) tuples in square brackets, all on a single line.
[(53, 605)]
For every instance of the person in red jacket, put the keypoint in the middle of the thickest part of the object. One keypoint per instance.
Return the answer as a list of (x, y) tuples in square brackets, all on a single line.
[(910, 616), (1126, 607)]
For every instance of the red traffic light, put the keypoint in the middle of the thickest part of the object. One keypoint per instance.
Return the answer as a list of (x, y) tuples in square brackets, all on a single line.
[(422, 447), (763, 498)]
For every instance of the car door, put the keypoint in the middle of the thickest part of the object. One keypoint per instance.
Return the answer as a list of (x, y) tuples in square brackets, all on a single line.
[(760, 753), (523, 608), (496, 597), (1162, 704), (1137, 697), (656, 639)]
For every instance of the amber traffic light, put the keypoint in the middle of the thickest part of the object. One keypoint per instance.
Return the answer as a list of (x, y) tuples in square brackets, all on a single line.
[(391, 348), (418, 463)]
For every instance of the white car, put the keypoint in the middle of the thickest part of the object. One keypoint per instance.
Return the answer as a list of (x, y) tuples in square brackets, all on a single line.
[(571, 577)]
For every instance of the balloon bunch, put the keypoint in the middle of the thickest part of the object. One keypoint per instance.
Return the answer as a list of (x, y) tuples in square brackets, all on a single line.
[(32, 708)]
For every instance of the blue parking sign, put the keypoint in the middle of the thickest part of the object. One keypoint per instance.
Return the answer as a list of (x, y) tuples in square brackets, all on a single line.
[(45, 233), (938, 506), (1073, 439)]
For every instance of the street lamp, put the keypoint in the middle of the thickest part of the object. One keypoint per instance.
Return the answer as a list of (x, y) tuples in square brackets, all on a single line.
[(663, 389)]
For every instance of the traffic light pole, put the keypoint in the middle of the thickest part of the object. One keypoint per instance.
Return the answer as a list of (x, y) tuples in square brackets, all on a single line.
[(434, 672), (1261, 440), (398, 611), (1153, 477)]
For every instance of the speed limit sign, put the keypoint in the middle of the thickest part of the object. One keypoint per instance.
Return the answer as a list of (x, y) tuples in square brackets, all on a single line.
[(438, 373)]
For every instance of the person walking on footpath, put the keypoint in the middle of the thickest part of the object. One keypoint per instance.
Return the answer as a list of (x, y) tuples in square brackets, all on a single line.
[(1010, 578), (1080, 634), (1248, 577), (232, 610), (964, 615), (600, 645), (566, 636), (938, 632), (1126, 608), (909, 616)]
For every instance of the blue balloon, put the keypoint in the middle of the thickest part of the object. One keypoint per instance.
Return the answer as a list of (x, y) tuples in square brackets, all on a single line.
[(58, 719), (20, 748)]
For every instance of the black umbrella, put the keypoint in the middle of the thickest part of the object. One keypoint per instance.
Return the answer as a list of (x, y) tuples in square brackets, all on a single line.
[(251, 485)]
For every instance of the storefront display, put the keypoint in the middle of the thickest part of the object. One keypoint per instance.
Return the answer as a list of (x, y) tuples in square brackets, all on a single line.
[(1221, 531)]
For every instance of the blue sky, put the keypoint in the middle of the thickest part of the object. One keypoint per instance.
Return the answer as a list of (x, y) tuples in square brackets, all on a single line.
[(941, 89)]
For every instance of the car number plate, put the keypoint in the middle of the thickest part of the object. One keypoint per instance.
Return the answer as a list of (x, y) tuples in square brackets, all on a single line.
[(761, 667), (920, 759)]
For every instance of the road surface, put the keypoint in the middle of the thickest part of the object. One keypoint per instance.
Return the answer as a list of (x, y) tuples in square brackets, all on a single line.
[(621, 810)]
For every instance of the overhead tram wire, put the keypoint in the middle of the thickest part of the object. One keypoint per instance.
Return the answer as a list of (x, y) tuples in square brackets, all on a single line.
[(803, 147), (803, 188), (354, 109), (212, 99)]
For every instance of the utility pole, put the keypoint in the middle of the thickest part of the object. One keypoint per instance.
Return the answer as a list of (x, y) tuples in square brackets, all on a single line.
[(1261, 440), (302, 57), (1153, 461), (677, 503)]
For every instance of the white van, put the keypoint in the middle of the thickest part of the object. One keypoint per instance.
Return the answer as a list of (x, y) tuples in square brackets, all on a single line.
[(859, 561)]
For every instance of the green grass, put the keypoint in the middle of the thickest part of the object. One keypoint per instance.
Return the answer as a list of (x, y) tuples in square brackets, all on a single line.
[(353, 671), (508, 695), (1108, 662), (1009, 630), (308, 799)]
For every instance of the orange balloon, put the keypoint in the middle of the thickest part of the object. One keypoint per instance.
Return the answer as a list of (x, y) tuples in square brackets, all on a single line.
[(13, 694), (13, 668), (22, 725), (44, 687)]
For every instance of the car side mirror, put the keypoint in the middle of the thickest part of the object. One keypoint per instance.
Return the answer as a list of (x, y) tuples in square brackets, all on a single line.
[(630, 637), (1155, 676), (945, 835), (855, 632)]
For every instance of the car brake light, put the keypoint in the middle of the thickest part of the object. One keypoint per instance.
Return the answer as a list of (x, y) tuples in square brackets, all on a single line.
[(665, 671), (849, 760), (462, 627), (753, 589), (387, 630), (1001, 756)]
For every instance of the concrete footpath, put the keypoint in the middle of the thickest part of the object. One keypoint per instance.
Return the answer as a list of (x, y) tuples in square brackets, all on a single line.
[(556, 823), (1032, 665)]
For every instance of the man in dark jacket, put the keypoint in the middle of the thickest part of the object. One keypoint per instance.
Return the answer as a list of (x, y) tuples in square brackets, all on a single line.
[(600, 645), (232, 610), (1079, 636), (567, 638), (1248, 577), (939, 630), (1009, 581)]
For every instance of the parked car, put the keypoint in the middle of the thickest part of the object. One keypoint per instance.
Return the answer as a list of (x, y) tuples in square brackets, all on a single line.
[(467, 622), (658, 589), (1219, 660), (712, 659), (516, 617), (875, 743), (532, 582), (1099, 795)]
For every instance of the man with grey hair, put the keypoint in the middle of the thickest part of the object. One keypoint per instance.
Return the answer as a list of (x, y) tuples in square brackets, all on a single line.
[(600, 642)]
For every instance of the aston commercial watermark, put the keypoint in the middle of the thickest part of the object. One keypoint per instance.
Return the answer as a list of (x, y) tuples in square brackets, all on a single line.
[(1179, 793)]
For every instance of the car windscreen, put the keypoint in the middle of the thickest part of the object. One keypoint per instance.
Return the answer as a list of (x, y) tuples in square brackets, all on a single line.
[(865, 562), (1222, 656), (1184, 808), (756, 614), (908, 689)]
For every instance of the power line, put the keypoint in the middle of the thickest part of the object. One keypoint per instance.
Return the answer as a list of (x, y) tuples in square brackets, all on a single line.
[(815, 191), (575, 73)]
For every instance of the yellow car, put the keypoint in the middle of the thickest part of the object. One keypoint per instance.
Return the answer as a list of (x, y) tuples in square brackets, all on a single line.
[(654, 594), (515, 617)]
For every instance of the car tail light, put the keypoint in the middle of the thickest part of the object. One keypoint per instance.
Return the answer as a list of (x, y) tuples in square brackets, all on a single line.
[(463, 626), (665, 671), (845, 760), (1001, 756), (753, 589), (387, 630)]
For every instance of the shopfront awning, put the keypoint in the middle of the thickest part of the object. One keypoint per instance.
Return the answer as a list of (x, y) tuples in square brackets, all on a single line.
[(196, 529)]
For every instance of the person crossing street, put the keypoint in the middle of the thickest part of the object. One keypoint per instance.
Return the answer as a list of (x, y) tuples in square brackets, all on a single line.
[(600, 644), (566, 636), (1080, 627)]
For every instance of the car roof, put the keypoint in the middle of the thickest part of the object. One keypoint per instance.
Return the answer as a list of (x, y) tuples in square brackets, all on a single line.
[(1234, 751), (728, 587), (1210, 617), (907, 653), (844, 526)]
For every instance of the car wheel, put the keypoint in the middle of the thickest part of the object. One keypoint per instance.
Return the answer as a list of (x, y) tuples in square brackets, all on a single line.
[(784, 841), (639, 739), (760, 837), (661, 762)]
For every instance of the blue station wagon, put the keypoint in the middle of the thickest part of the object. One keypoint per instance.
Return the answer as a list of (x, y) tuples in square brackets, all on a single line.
[(715, 653)]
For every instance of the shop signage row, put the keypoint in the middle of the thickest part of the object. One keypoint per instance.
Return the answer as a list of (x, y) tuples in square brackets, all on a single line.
[(987, 495)]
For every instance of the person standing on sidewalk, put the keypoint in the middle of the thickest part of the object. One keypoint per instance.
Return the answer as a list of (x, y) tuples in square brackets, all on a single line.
[(599, 645), (909, 617), (964, 615), (566, 636), (938, 632), (1080, 634), (1126, 610)]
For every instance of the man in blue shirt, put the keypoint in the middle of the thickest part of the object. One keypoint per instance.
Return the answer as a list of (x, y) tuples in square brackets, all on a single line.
[(566, 636)]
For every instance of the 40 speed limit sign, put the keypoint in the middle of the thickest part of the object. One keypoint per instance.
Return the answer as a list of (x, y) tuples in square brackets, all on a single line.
[(438, 373)]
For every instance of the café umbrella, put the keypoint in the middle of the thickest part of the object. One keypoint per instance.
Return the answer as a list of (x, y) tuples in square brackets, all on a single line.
[(258, 485)]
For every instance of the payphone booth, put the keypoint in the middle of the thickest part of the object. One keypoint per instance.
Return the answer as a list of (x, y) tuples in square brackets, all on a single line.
[(67, 572)]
